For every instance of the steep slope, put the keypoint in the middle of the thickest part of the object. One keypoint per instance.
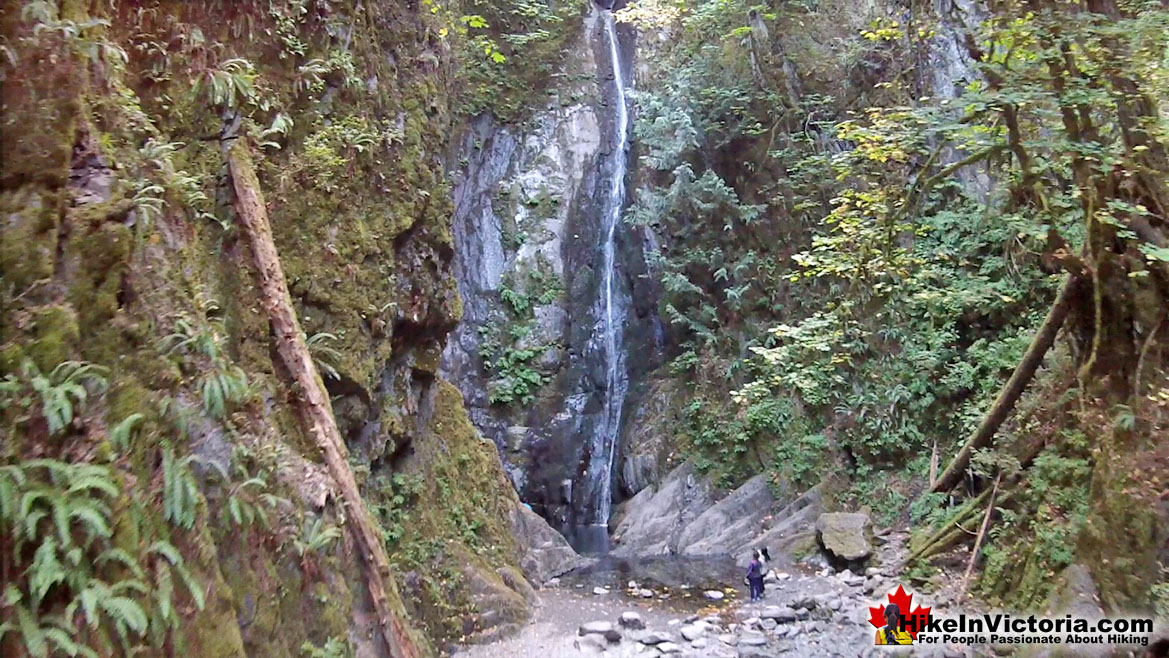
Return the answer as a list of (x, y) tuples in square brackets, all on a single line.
[(133, 341)]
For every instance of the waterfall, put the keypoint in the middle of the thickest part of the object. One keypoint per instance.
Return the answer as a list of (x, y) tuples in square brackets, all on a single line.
[(612, 309)]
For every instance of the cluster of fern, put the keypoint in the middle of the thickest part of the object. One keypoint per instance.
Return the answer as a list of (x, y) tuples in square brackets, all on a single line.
[(74, 584)]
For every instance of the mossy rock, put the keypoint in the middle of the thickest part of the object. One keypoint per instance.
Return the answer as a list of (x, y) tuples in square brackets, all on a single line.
[(55, 336), (11, 356), (28, 221), (102, 259)]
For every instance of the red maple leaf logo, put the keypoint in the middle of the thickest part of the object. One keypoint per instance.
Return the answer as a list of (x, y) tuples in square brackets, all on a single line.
[(910, 622)]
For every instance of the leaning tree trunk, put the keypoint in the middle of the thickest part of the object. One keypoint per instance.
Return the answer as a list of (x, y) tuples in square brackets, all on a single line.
[(1001, 409), (313, 400)]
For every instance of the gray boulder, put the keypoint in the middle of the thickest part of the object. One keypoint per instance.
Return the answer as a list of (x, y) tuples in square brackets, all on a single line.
[(845, 535), (730, 523), (784, 615), (600, 628), (752, 639), (595, 628), (653, 519), (654, 638), (592, 644), (546, 553)]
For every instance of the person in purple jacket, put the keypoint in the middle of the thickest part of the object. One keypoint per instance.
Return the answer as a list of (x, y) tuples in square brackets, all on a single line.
[(755, 577)]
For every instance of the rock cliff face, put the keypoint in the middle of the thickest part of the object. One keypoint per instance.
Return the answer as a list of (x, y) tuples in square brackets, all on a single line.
[(682, 515), (529, 261), (119, 252)]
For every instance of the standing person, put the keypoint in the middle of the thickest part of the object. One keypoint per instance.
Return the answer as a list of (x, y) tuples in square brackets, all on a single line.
[(755, 577)]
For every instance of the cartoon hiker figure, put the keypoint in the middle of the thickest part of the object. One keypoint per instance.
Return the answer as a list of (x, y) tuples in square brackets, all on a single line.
[(891, 633)]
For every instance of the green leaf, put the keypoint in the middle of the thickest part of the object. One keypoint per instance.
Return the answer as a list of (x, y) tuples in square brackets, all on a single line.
[(30, 630), (46, 570), (125, 611)]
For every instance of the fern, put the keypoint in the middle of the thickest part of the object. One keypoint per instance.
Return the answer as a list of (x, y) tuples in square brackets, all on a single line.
[(75, 592), (316, 538), (122, 434), (325, 356), (221, 386), (222, 383), (56, 396), (229, 85), (180, 494)]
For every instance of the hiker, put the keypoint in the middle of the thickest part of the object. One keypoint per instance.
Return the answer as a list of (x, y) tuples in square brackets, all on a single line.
[(764, 558), (890, 633), (755, 577)]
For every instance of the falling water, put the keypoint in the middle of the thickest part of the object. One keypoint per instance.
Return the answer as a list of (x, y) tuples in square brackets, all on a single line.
[(613, 312)]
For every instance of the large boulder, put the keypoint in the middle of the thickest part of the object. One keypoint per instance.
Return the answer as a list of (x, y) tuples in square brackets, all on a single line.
[(1074, 593), (791, 531), (681, 516), (546, 553), (845, 535), (653, 519), (732, 522)]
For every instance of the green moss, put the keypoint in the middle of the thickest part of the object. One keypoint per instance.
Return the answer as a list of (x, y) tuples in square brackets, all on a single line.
[(102, 258), (369, 256), (30, 236), (458, 548), (11, 356), (1119, 540), (214, 633), (127, 398), (46, 87), (55, 336)]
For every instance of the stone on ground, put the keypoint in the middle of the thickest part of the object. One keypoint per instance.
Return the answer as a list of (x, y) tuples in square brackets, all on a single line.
[(714, 595), (631, 620), (654, 638), (693, 631), (782, 615), (595, 628), (591, 644), (752, 639)]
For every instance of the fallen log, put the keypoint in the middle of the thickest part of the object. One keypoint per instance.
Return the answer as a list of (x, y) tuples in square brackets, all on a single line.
[(313, 401), (1005, 403), (978, 540)]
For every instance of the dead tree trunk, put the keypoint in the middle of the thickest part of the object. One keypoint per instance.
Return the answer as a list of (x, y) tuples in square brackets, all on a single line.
[(1001, 409), (314, 404)]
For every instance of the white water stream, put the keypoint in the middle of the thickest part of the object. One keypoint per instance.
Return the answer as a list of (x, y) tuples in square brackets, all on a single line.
[(607, 433)]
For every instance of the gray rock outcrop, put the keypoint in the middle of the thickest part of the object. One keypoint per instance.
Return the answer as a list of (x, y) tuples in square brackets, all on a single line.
[(682, 516), (546, 552)]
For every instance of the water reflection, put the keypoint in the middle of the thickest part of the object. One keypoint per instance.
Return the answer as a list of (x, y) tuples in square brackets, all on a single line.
[(679, 580)]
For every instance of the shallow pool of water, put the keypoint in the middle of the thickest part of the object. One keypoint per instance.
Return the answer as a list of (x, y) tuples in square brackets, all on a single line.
[(679, 581)]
